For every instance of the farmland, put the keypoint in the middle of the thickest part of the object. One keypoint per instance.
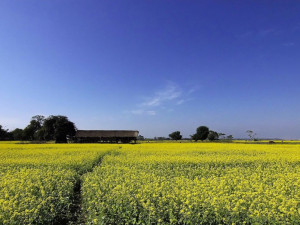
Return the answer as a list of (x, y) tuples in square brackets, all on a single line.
[(37, 181), (150, 183)]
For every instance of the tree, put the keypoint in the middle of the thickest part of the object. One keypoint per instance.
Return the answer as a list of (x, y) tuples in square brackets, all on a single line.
[(230, 137), (201, 133), (49, 128), (3, 133), (213, 135), (141, 138), (39, 119), (57, 128), (251, 134), (161, 138), (35, 124), (17, 134), (175, 135), (221, 135), (40, 134)]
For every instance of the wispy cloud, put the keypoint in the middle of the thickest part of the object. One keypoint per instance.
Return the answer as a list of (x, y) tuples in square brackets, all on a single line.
[(170, 92), (164, 99), (181, 101), (184, 100), (141, 112), (193, 89)]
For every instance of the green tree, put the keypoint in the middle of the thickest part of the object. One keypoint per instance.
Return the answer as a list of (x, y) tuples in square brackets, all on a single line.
[(141, 138), (17, 134), (3, 133), (40, 134), (175, 135), (221, 135), (49, 127), (212, 136), (35, 124), (57, 128), (230, 137), (201, 133)]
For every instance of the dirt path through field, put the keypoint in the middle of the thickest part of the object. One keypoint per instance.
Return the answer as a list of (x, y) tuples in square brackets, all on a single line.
[(77, 217)]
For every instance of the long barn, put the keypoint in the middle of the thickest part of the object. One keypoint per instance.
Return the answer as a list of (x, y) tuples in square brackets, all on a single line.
[(93, 136)]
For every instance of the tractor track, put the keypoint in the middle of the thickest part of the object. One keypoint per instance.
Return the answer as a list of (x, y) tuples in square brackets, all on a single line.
[(75, 215)]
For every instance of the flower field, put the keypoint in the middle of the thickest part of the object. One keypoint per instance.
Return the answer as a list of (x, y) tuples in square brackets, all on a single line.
[(37, 181), (154, 183), (195, 184)]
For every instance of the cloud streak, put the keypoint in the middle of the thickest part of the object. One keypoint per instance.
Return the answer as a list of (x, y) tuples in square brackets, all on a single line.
[(171, 92), (141, 112), (170, 95)]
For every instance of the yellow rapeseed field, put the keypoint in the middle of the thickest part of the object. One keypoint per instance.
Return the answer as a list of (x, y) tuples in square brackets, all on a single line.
[(37, 181), (195, 183), (151, 183)]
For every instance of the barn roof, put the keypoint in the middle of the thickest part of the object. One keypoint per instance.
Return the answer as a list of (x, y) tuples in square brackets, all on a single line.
[(107, 133)]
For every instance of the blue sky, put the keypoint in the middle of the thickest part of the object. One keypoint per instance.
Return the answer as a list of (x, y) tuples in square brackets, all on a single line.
[(154, 66)]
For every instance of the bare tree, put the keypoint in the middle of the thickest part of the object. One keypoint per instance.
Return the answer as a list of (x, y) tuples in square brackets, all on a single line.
[(251, 134)]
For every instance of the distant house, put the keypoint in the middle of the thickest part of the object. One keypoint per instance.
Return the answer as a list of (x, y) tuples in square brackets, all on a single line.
[(93, 136)]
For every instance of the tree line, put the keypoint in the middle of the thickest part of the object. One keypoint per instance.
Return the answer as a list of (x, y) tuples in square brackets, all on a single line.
[(59, 127), (202, 133), (42, 128)]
